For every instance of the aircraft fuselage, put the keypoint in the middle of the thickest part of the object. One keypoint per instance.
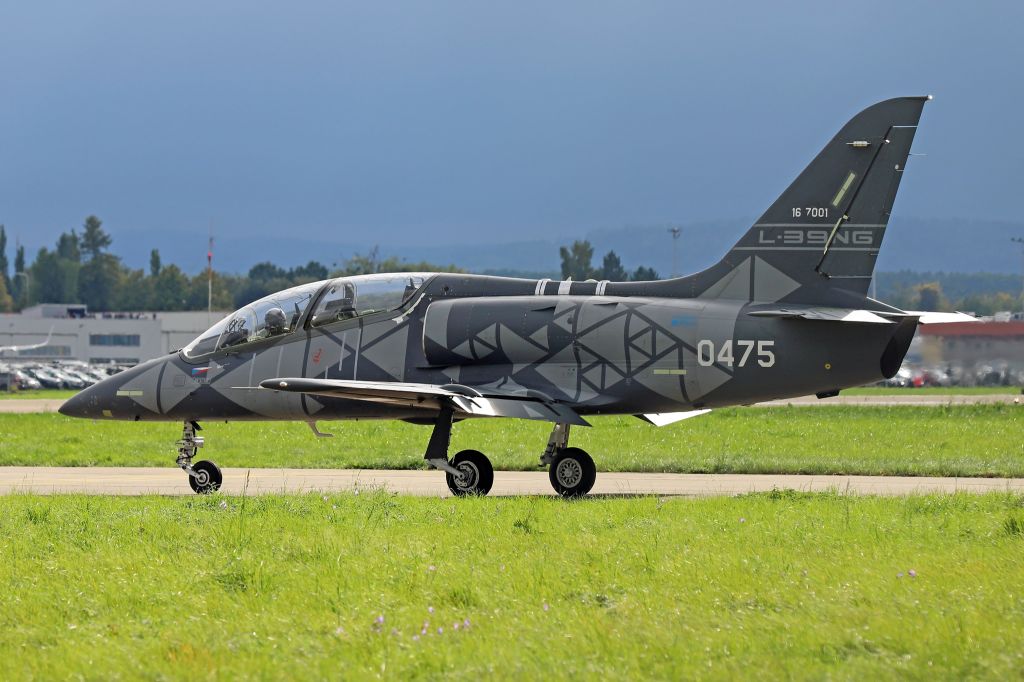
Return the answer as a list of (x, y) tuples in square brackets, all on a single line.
[(602, 354)]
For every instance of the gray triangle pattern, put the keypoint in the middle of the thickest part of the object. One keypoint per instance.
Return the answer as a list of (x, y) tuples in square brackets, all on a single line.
[(734, 285), (519, 348), (644, 342), (388, 352), (541, 336), (489, 336), (148, 399), (464, 349), (770, 283)]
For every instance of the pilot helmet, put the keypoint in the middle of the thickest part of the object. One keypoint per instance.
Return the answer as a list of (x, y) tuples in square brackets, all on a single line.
[(275, 320)]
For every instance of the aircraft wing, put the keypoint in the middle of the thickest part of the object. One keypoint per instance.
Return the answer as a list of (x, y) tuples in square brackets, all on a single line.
[(466, 400)]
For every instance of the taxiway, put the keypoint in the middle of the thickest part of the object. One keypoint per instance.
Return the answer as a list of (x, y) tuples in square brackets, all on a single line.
[(171, 481)]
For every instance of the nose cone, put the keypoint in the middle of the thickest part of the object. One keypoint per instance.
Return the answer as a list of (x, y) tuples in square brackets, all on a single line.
[(130, 394), (89, 403), (73, 406)]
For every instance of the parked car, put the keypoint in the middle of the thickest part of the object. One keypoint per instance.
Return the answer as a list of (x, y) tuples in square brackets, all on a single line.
[(45, 377), (902, 379), (76, 373), (25, 382), (67, 380)]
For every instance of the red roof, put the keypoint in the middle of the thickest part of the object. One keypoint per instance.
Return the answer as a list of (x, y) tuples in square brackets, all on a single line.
[(987, 329)]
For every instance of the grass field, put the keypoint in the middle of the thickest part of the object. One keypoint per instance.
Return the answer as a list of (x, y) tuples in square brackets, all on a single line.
[(45, 394), (778, 585), (968, 440)]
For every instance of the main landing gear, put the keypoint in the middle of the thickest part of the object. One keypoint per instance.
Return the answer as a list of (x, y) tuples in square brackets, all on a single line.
[(204, 477), (469, 472), (571, 470)]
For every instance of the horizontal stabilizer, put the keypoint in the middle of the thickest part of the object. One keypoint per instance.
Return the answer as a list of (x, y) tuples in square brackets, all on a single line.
[(666, 418), (825, 314), (865, 316), (940, 318), (466, 400)]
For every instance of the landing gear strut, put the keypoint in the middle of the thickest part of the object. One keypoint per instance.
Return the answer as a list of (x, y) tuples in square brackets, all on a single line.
[(203, 477), (572, 471), (469, 472)]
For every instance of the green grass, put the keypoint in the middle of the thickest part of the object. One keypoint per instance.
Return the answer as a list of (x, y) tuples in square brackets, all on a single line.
[(44, 394), (960, 440), (779, 585)]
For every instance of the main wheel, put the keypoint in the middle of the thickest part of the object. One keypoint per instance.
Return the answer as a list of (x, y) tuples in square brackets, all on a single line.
[(207, 479), (572, 472), (477, 474)]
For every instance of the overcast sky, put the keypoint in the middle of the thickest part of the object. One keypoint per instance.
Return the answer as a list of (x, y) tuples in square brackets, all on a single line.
[(411, 123)]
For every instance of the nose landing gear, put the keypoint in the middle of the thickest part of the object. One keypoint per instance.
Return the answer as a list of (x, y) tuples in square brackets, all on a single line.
[(204, 477)]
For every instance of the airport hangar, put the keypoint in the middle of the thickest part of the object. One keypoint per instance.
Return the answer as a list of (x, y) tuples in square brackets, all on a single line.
[(124, 338)]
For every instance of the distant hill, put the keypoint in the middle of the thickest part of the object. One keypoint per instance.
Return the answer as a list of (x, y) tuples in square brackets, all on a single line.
[(947, 245)]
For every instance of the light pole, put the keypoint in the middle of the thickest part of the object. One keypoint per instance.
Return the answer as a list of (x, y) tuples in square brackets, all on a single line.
[(1019, 240), (28, 283), (209, 277), (675, 232)]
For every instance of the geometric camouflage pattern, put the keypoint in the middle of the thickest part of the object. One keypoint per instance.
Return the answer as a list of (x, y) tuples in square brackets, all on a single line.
[(594, 347)]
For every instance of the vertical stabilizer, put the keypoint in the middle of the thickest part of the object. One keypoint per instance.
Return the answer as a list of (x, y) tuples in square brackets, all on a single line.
[(819, 241)]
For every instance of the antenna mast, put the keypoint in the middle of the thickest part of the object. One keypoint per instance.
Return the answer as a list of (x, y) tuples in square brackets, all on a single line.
[(209, 278)]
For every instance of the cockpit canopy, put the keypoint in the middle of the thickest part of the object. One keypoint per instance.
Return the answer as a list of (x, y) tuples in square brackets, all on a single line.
[(280, 314)]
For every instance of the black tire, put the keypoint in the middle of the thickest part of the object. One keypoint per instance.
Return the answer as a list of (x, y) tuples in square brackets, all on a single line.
[(572, 472), (479, 474), (207, 479)]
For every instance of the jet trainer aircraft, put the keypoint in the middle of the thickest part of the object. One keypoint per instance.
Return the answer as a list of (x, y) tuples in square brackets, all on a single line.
[(27, 346), (784, 313)]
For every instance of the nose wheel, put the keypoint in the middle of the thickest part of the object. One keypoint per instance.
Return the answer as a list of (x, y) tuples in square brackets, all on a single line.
[(203, 477), (207, 478)]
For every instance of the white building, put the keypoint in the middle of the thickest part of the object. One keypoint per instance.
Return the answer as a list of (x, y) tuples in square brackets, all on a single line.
[(100, 337)]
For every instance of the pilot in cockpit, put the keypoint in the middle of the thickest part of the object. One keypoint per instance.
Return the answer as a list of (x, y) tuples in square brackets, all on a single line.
[(276, 321), (274, 324), (344, 306)]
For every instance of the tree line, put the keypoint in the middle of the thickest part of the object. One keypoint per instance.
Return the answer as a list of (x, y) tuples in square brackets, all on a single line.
[(81, 269), (576, 265), (983, 293)]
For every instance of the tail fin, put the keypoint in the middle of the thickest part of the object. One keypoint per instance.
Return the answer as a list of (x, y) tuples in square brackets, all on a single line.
[(819, 241)]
